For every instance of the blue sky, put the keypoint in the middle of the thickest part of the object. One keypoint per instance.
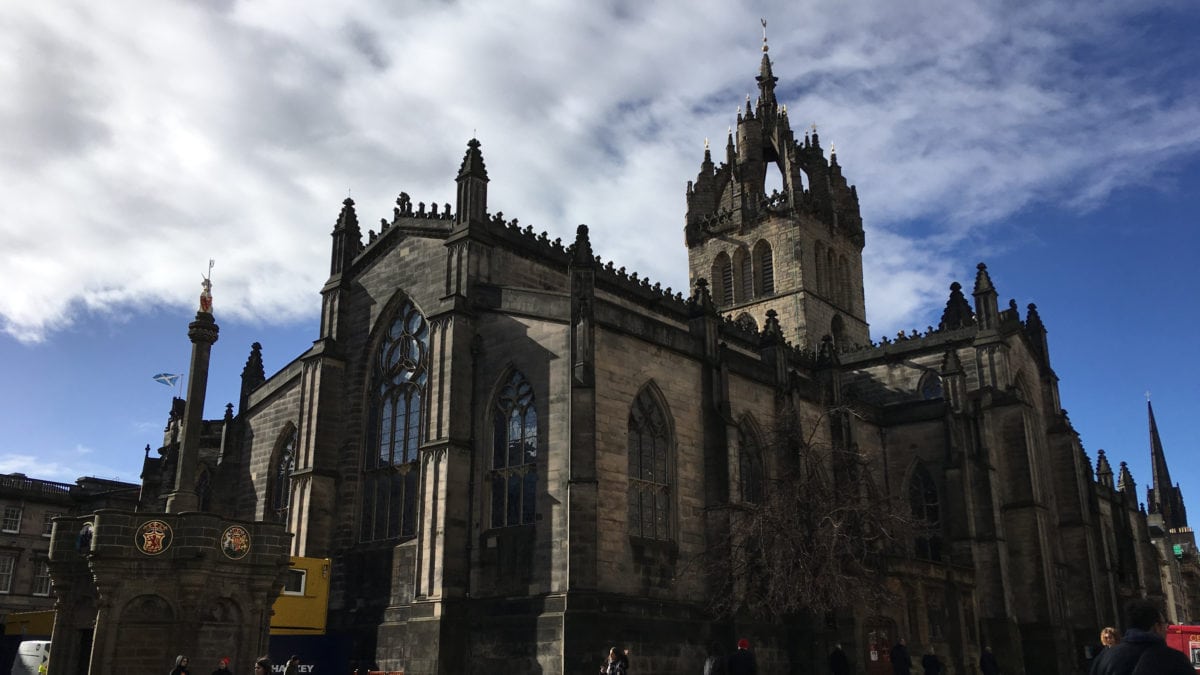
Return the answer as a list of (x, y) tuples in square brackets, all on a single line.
[(1056, 141)]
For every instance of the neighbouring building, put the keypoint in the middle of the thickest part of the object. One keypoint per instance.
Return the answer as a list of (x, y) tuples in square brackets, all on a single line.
[(28, 507), (513, 451)]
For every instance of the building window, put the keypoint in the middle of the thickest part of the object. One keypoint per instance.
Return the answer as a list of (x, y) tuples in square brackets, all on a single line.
[(41, 577), (926, 511), (281, 490), (394, 432), (294, 582), (48, 522), (750, 467), (766, 267), (744, 272), (7, 563), (723, 280), (649, 482), (514, 454), (930, 386), (12, 519)]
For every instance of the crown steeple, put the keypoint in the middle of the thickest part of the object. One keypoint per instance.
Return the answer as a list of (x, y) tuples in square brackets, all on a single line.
[(766, 79)]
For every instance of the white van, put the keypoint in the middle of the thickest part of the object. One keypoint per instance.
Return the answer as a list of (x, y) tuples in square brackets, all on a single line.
[(32, 658)]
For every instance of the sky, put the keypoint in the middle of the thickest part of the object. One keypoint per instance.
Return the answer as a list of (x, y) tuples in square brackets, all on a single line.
[(1057, 141)]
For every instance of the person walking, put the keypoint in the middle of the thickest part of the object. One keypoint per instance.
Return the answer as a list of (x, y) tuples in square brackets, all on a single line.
[(615, 664), (930, 663), (838, 663), (901, 661), (222, 667), (181, 665), (742, 662), (293, 666), (1143, 650), (715, 663), (262, 666), (987, 662), (1109, 637)]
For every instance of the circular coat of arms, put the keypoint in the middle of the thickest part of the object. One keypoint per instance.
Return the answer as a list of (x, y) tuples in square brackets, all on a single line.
[(235, 543), (153, 537)]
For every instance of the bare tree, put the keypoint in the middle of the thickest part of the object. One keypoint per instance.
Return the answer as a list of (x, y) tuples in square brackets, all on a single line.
[(818, 536)]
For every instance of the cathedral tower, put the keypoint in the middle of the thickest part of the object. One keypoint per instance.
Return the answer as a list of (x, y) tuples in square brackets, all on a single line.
[(796, 250)]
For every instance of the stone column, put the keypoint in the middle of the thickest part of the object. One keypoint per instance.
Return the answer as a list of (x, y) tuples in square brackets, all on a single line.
[(203, 333)]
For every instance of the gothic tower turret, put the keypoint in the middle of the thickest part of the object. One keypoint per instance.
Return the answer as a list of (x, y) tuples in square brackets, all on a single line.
[(777, 227)]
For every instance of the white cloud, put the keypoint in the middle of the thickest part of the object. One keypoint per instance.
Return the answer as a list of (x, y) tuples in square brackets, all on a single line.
[(141, 142)]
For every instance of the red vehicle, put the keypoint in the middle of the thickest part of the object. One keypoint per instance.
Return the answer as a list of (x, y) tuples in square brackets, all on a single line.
[(1187, 640)]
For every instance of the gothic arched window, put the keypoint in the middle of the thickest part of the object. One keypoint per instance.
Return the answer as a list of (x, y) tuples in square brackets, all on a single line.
[(649, 481), (394, 432), (927, 512), (744, 273), (514, 454), (766, 268), (281, 477), (930, 386), (723, 280), (750, 466)]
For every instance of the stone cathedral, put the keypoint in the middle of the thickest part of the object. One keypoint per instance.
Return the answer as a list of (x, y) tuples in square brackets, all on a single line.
[(512, 450)]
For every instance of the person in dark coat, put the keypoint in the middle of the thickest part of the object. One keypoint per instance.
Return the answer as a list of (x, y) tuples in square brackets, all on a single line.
[(838, 663), (1143, 650), (181, 665), (715, 663), (987, 662), (742, 661), (930, 663), (901, 662), (222, 667)]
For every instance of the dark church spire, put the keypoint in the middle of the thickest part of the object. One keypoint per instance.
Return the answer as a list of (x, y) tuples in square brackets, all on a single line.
[(252, 375), (1162, 497), (986, 308), (472, 187), (958, 312), (347, 238)]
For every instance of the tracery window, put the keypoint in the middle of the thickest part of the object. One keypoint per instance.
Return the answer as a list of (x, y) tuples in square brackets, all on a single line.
[(649, 481), (285, 464), (394, 432), (514, 454), (750, 467), (926, 511)]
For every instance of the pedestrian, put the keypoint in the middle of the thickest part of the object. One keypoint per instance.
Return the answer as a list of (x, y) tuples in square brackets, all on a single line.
[(222, 667), (901, 662), (181, 665), (616, 663), (262, 666), (930, 663), (1143, 650), (715, 663), (742, 661), (838, 663), (987, 662), (293, 666), (1109, 637)]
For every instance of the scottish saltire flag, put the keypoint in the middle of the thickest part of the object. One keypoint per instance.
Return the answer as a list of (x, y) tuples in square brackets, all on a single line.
[(167, 379)]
